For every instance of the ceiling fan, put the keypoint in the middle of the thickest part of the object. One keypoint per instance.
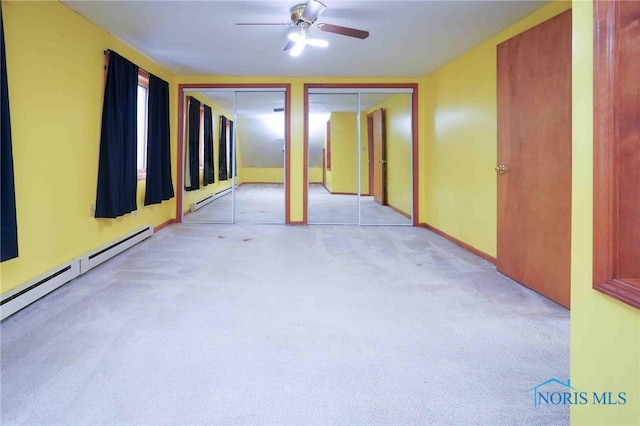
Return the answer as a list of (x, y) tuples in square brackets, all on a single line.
[(303, 17)]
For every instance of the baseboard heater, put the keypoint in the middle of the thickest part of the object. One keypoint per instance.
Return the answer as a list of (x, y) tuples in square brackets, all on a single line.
[(44, 284), (106, 252), (206, 200)]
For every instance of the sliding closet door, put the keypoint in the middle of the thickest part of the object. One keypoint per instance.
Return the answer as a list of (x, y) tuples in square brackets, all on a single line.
[(207, 139), (386, 159), (334, 141), (259, 157)]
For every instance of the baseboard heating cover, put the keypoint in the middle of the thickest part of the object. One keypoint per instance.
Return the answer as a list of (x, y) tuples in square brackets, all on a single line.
[(106, 252), (206, 200), (38, 287), (44, 284)]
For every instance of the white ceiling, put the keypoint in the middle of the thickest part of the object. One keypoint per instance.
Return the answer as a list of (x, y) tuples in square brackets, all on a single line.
[(407, 38)]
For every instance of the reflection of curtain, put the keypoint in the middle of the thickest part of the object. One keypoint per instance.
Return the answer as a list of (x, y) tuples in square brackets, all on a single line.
[(8, 221), (222, 159), (117, 170), (159, 185), (208, 147), (193, 142), (232, 166)]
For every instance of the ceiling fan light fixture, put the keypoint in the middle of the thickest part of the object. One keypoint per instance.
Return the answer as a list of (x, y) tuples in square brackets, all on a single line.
[(297, 49), (316, 42)]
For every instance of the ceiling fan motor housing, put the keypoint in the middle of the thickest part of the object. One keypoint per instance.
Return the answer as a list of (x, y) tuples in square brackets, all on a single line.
[(296, 14)]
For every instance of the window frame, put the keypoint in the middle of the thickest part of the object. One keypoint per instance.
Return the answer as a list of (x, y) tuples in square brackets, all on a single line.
[(143, 80)]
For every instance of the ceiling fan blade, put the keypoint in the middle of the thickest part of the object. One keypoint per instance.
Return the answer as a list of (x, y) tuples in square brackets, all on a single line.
[(263, 23), (289, 45), (345, 31), (313, 9)]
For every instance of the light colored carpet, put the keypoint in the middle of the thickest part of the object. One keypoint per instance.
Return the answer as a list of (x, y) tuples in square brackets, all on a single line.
[(250, 324), (327, 208), (254, 203), (265, 204)]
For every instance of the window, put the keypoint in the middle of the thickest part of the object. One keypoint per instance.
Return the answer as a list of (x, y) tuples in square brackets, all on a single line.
[(143, 103)]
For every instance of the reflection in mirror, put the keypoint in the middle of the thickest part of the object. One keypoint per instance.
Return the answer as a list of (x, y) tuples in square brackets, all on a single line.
[(386, 159), (207, 140), (365, 181), (260, 157), (234, 156), (333, 159)]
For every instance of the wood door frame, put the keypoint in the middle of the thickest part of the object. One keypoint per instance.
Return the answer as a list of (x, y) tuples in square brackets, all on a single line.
[(606, 161), (285, 87), (370, 151), (414, 137), (383, 157)]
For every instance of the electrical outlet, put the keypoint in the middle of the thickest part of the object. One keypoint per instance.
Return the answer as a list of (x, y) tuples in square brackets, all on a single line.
[(92, 210)]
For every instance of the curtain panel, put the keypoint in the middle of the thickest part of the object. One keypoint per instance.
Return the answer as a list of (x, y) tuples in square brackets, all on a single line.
[(159, 186), (232, 166), (8, 216), (209, 176), (192, 171), (117, 168), (222, 148)]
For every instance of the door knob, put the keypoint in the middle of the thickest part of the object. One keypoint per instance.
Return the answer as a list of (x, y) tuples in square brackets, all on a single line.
[(501, 168)]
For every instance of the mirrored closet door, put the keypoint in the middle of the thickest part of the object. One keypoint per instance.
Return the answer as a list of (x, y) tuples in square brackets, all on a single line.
[(360, 145), (234, 156)]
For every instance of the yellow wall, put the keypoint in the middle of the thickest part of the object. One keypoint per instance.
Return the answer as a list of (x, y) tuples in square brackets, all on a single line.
[(315, 174), (55, 70), (459, 129), (262, 174), (344, 153), (605, 334), (204, 191), (398, 151)]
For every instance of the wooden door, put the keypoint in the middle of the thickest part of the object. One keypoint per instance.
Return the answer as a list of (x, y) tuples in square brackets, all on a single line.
[(534, 143), (369, 154), (378, 132), (324, 167)]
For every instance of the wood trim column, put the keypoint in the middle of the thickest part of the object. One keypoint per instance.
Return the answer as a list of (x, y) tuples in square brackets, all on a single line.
[(614, 120)]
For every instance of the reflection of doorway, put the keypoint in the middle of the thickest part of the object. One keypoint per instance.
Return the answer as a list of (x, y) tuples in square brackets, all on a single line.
[(256, 131), (377, 158)]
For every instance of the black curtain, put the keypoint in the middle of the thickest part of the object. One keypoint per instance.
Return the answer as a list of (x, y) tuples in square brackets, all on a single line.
[(117, 169), (208, 146), (8, 221), (232, 166), (159, 185), (222, 160), (193, 141)]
